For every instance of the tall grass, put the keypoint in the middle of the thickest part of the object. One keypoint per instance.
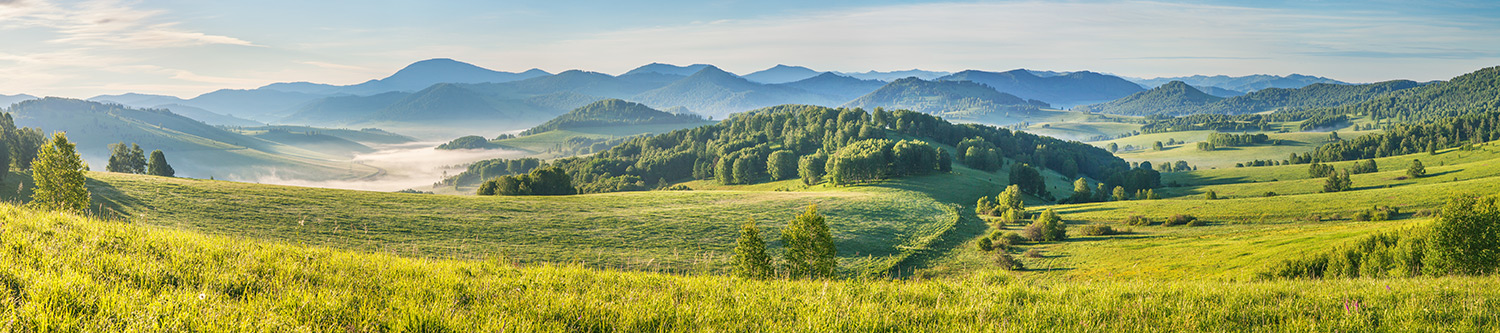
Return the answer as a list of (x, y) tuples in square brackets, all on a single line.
[(68, 273)]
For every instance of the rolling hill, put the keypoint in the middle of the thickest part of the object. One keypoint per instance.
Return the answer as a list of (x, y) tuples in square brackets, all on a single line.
[(193, 148), (668, 69), (208, 117), (613, 112), (1064, 90), (894, 75), (781, 74)]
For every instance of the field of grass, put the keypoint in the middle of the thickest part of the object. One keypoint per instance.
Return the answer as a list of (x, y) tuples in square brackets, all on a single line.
[(66, 273), (1079, 131), (1223, 157), (876, 227)]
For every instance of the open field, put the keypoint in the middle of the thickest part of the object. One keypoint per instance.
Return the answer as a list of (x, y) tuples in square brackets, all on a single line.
[(68, 273)]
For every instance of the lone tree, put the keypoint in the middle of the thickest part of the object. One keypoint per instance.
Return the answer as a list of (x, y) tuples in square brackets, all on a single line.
[(159, 166), (1466, 238), (1081, 191), (809, 246), (750, 259), (1047, 226), (1416, 170), (58, 172)]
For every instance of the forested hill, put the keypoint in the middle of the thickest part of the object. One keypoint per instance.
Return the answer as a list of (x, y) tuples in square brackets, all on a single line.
[(1174, 97), (791, 141), (947, 99), (612, 112), (1066, 89), (1470, 93)]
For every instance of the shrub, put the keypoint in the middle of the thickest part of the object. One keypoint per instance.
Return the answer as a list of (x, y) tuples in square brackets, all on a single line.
[(1137, 220), (1004, 260), (1033, 253), (1033, 232), (678, 187), (1097, 230), (1179, 219), (985, 244), (1010, 238)]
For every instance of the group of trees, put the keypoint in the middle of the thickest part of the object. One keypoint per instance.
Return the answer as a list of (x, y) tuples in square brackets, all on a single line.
[(1237, 140), (132, 159), (740, 150), (1007, 205), (20, 145), (808, 246), (541, 181), (1338, 182), (1463, 241), (1405, 139), (478, 172)]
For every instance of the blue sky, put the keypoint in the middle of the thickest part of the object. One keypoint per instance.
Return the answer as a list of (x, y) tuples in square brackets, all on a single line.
[(185, 48)]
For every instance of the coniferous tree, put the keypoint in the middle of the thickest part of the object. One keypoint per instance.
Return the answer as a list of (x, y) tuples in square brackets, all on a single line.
[(158, 165), (58, 172), (136, 160), (1416, 170), (750, 259), (119, 158)]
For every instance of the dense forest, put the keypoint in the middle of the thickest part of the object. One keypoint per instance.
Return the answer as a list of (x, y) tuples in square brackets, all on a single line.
[(1409, 139), (1172, 98), (843, 145), (612, 112), (950, 99), (1177, 98)]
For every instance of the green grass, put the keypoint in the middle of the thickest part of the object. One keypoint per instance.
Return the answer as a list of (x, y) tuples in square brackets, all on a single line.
[(1079, 131), (66, 273), (876, 227)]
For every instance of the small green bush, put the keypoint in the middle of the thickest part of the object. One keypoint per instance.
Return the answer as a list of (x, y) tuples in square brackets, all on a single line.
[(1097, 230)]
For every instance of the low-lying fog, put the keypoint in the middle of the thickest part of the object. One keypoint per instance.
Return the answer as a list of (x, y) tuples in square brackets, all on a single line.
[(407, 166)]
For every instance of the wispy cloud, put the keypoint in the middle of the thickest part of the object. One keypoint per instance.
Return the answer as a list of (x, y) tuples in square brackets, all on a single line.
[(108, 23)]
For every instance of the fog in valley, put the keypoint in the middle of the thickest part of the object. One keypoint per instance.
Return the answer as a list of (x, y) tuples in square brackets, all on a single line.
[(414, 165)]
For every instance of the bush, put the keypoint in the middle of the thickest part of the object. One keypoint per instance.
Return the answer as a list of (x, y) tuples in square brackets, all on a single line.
[(1180, 219), (1004, 260), (1033, 253), (985, 244), (1097, 230), (1137, 220), (1033, 233), (678, 187)]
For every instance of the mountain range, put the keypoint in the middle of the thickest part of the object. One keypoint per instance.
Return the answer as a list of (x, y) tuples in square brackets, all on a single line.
[(7, 100), (1243, 84), (949, 99), (1178, 98), (1063, 90)]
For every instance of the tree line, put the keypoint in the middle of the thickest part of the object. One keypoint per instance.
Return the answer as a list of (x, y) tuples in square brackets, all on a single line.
[(760, 145)]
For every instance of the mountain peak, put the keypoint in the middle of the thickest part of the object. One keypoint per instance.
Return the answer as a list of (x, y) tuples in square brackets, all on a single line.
[(669, 69), (781, 73)]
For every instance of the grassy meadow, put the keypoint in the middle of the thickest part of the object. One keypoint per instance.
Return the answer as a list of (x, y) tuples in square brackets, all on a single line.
[(69, 273)]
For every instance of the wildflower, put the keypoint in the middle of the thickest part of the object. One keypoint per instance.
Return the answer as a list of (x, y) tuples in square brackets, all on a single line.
[(201, 296)]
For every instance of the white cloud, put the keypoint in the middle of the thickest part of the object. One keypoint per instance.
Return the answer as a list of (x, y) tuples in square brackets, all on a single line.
[(108, 23)]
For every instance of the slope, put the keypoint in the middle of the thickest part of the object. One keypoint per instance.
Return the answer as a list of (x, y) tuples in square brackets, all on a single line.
[(413, 77), (208, 117), (1249, 83), (85, 274), (193, 148), (7, 100)]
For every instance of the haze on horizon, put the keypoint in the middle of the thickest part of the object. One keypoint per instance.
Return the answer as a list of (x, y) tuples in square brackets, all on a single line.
[(185, 48)]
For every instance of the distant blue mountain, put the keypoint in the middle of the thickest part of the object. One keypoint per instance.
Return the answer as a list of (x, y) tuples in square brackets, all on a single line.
[(781, 74), (1249, 83), (7, 100), (895, 75), (414, 77), (837, 87), (714, 92), (1064, 90), (138, 100), (667, 69)]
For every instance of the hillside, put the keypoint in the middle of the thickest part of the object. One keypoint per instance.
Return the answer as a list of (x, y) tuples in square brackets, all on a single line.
[(1248, 83), (1312, 96), (781, 74), (1175, 97), (341, 110), (193, 148), (1065, 90), (716, 93), (837, 87), (612, 112), (948, 99), (208, 117)]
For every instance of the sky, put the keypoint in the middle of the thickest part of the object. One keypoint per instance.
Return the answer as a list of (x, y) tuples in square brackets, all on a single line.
[(185, 48)]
